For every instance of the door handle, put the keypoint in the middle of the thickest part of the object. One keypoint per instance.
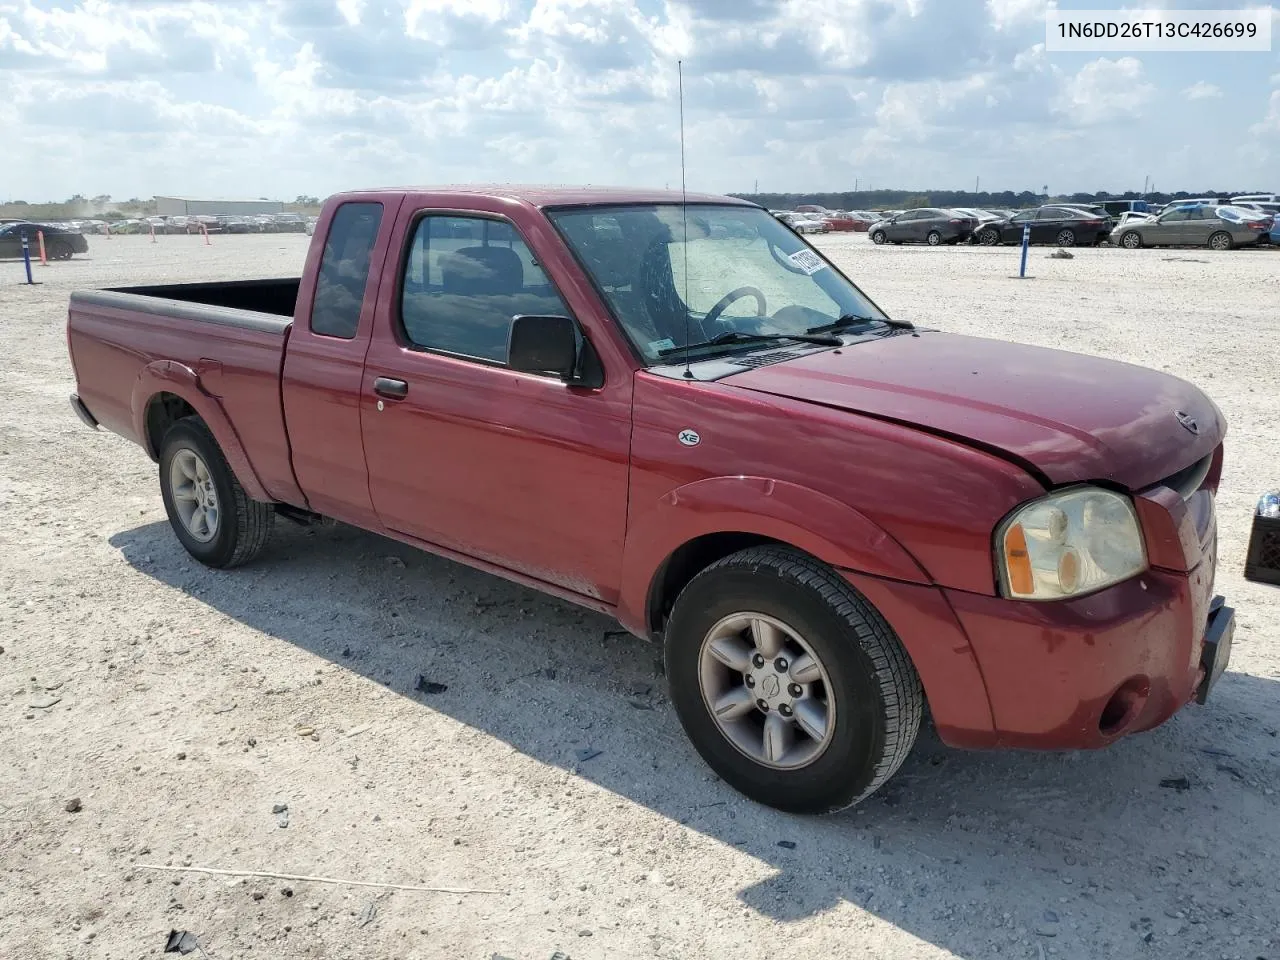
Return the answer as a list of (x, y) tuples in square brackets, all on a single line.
[(390, 388)]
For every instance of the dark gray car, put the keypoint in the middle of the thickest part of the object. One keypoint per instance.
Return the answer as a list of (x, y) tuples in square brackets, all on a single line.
[(931, 225)]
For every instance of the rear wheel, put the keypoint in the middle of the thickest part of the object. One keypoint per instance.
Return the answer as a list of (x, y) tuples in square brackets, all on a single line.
[(989, 238), (1221, 241), (1066, 238), (1131, 240), (933, 238), (213, 518), (878, 237), (60, 250), (789, 683)]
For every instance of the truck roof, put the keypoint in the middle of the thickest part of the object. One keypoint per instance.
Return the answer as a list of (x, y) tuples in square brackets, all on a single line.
[(562, 196)]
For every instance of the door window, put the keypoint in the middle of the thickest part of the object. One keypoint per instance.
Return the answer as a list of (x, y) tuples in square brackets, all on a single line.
[(1176, 216), (465, 279), (1024, 216), (344, 270)]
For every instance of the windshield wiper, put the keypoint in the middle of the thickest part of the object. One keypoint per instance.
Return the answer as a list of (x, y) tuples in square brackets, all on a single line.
[(735, 336), (849, 319)]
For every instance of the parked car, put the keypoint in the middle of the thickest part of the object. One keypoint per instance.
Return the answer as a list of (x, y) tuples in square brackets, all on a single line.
[(1064, 226), (1273, 198), (264, 224), (1217, 227), (931, 225), (826, 515), (1198, 202), (802, 223), (1131, 217), (1117, 208), (290, 223), (203, 223), (839, 222), (232, 224), (311, 226), (60, 243)]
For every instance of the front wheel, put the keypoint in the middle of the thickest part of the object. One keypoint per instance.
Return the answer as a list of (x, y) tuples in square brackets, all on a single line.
[(1066, 238), (989, 238), (1131, 240), (878, 237), (1221, 241), (214, 519), (790, 685)]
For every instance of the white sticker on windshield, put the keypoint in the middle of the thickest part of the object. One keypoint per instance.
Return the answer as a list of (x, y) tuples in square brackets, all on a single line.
[(665, 344), (808, 261)]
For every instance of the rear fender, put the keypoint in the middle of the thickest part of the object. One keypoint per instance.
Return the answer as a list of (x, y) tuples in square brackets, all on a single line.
[(811, 521), (169, 376)]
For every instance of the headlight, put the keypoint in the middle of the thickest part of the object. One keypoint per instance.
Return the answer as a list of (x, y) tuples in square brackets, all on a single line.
[(1069, 543)]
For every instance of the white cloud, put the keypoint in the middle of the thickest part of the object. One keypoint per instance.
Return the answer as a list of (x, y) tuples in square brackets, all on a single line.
[(280, 97), (1269, 124), (1105, 90), (1012, 13), (1200, 90)]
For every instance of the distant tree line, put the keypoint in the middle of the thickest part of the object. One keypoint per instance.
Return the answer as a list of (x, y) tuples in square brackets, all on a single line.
[(906, 199)]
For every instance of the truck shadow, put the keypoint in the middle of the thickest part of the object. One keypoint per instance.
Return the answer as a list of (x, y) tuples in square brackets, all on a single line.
[(976, 853)]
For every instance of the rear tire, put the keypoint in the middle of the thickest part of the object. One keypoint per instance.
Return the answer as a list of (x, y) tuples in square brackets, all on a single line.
[(60, 250), (214, 519), (933, 238), (1221, 241), (878, 237), (1066, 238), (815, 643)]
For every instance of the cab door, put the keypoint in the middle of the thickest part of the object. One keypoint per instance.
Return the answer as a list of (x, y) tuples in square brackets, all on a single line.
[(518, 470)]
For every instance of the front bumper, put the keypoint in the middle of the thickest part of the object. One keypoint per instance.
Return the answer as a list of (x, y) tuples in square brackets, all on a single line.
[(1079, 674)]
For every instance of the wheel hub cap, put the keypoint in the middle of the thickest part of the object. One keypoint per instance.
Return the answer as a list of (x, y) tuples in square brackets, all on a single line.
[(766, 690), (195, 499)]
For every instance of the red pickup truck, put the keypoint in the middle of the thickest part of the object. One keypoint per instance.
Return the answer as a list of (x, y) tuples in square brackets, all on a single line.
[(682, 415)]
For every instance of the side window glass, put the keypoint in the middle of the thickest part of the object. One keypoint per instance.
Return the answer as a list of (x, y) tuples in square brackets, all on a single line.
[(465, 279), (344, 269)]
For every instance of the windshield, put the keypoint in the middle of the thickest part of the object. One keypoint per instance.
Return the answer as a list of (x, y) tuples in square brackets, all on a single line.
[(741, 272)]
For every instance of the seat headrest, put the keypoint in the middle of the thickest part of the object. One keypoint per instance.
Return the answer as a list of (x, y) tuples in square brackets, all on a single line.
[(480, 270)]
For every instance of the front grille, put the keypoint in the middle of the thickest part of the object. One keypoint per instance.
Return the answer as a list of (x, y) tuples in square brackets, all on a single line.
[(1188, 480)]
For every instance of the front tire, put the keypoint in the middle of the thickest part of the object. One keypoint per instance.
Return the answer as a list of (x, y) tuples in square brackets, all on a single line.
[(790, 685), (878, 237), (1131, 240), (213, 518), (989, 238)]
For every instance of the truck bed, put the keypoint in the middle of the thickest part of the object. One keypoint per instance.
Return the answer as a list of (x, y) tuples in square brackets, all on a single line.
[(274, 296), (229, 335)]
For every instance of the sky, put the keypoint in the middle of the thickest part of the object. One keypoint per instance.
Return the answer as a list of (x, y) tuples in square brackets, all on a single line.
[(276, 98)]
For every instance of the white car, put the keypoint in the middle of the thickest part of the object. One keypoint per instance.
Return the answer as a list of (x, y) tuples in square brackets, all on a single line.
[(1131, 215), (802, 223)]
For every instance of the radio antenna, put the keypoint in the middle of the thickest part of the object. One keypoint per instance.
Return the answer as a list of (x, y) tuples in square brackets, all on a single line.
[(684, 220)]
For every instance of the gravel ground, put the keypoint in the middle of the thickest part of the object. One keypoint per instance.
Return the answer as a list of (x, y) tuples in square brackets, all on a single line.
[(179, 705)]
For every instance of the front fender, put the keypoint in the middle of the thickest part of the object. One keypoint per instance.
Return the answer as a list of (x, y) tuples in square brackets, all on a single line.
[(169, 376), (811, 521)]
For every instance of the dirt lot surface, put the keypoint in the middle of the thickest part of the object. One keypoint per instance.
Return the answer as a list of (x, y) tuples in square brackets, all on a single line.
[(175, 703)]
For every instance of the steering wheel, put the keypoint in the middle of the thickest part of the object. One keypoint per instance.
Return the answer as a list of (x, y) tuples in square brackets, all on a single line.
[(734, 295)]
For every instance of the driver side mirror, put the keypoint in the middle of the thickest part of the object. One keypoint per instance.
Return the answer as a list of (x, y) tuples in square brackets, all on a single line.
[(545, 344)]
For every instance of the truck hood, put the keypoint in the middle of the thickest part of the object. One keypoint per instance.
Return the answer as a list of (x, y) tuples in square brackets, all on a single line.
[(1064, 416)]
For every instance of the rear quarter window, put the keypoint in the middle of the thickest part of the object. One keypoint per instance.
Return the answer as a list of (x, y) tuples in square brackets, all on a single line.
[(344, 270)]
